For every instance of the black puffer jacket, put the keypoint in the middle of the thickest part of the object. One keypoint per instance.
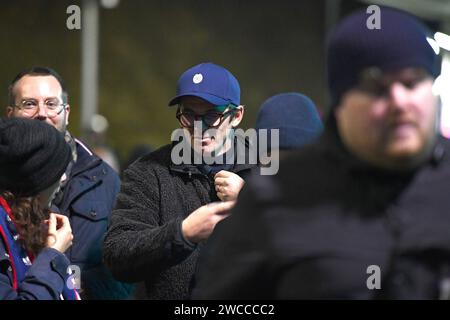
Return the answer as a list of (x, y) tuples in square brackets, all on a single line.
[(328, 226), (144, 241)]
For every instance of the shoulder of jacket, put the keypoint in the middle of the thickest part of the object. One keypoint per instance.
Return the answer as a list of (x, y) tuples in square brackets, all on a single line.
[(159, 157), (81, 145), (443, 149), (154, 164), (84, 152)]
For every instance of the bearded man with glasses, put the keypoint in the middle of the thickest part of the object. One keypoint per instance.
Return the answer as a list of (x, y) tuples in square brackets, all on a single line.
[(88, 187), (166, 210)]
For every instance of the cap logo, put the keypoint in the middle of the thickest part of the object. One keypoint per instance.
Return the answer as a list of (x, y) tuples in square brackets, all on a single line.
[(198, 77)]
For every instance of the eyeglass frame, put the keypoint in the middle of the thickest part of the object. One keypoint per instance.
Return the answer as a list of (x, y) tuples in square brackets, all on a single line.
[(233, 109), (62, 104)]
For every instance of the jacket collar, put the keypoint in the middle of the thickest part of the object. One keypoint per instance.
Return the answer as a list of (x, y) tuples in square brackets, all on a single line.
[(86, 159)]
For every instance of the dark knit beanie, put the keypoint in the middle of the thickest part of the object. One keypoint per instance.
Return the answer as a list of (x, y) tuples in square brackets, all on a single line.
[(400, 43), (296, 117), (33, 156)]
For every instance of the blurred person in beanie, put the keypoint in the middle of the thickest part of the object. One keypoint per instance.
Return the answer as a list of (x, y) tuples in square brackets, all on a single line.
[(88, 186), (167, 210), (33, 157), (363, 213), (296, 118)]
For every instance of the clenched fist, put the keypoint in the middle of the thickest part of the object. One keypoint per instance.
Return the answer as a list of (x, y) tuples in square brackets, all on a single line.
[(228, 185)]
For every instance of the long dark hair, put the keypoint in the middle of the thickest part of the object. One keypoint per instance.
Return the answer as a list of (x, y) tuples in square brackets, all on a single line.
[(28, 216)]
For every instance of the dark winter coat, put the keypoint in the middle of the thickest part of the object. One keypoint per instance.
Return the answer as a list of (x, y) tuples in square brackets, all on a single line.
[(24, 277), (328, 225), (144, 240), (89, 198)]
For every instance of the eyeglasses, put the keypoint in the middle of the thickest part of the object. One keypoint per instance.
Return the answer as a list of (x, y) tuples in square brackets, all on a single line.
[(30, 107), (374, 82), (211, 119)]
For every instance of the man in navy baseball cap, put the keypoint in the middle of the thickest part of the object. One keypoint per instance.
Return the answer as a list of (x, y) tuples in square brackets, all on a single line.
[(182, 201), (209, 94)]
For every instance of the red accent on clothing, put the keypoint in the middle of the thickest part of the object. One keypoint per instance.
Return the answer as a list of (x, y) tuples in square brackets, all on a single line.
[(10, 258), (5, 205)]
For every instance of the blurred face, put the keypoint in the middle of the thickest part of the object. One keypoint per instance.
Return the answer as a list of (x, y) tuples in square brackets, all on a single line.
[(390, 122), (214, 136), (40, 97)]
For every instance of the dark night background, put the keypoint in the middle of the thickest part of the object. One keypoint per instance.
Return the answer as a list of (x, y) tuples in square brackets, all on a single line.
[(270, 46)]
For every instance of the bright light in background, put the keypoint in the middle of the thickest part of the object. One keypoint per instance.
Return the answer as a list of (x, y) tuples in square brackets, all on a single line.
[(434, 45), (109, 4), (437, 86), (441, 86), (443, 40), (99, 124)]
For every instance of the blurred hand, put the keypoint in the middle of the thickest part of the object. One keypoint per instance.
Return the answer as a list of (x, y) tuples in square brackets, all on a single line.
[(59, 232), (199, 225), (228, 185)]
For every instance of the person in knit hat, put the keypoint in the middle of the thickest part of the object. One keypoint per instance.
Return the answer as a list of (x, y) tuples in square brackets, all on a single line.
[(23, 170), (294, 115), (363, 212), (33, 157), (88, 187)]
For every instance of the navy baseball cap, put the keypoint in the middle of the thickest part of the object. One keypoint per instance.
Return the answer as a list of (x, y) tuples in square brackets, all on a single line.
[(210, 82)]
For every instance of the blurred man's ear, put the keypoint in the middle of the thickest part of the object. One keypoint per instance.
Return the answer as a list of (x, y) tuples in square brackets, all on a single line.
[(238, 115), (9, 111)]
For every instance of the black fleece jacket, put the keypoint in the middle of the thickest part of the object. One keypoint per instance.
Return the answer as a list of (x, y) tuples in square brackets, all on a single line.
[(144, 241)]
